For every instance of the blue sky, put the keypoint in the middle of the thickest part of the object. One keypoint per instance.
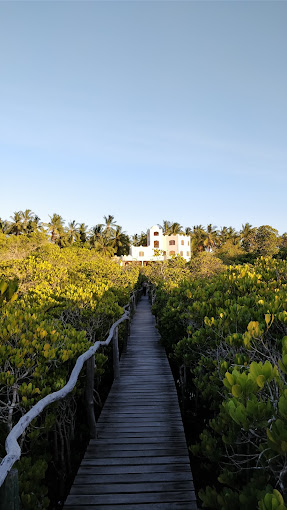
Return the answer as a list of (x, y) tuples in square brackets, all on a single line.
[(146, 110)]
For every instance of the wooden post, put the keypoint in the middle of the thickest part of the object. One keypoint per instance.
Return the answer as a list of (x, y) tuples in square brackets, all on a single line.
[(90, 377), (116, 357), (9, 492)]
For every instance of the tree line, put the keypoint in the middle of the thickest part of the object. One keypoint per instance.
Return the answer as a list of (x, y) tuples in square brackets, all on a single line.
[(110, 239), (226, 242)]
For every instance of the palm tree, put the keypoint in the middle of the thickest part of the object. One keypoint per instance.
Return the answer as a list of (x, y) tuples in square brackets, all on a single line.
[(175, 228), (96, 234), (245, 230), (110, 224), (121, 242), (232, 235), (72, 232), (27, 217), (82, 232), (166, 227), (34, 225), (135, 240), (247, 236), (210, 237), (16, 226), (104, 246), (197, 239), (188, 231), (55, 226), (4, 226), (223, 235)]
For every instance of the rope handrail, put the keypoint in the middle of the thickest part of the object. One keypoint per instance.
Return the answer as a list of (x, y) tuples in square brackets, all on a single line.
[(12, 447)]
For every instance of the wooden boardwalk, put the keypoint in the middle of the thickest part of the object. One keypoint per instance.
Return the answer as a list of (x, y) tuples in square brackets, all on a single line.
[(140, 458)]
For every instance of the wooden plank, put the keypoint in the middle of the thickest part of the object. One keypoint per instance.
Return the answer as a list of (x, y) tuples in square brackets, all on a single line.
[(131, 461), (128, 454), (142, 468), (147, 497), (133, 477), (137, 506), (129, 488), (141, 441)]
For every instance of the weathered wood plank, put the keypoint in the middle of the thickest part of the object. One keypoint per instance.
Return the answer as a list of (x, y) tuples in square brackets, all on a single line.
[(133, 477), (146, 497), (143, 468), (138, 506), (131, 461), (129, 488)]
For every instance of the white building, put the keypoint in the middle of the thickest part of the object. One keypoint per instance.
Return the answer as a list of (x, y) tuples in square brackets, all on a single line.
[(159, 247)]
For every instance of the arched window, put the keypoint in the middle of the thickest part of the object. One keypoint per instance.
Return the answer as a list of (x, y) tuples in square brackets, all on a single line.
[(187, 253), (156, 244), (172, 243), (181, 253), (182, 243), (156, 234), (172, 252), (141, 254)]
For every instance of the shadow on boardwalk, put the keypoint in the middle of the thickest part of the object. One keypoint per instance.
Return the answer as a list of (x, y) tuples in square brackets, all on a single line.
[(140, 458)]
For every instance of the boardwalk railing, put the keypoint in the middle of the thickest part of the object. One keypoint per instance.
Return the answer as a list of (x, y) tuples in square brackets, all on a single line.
[(11, 444)]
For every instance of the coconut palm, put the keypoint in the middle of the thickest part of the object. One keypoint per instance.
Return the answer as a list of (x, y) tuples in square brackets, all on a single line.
[(166, 227), (34, 225), (4, 226), (27, 217), (72, 232), (121, 242), (55, 226), (82, 232), (247, 237), (210, 237), (197, 239), (222, 235), (135, 240), (104, 246), (16, 225), (175, 228), (96, 234), (110, 225), (233, 235)]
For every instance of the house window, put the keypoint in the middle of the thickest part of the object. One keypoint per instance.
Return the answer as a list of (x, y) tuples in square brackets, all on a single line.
[(141, 253), (181, 253), (164, 252), (182, 243), (172, 252), (156, 244), (155, 233), (171, 243), (187, 243), (187, 253)]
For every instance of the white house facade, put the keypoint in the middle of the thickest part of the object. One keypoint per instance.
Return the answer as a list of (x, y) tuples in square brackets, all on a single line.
[(159, 247)]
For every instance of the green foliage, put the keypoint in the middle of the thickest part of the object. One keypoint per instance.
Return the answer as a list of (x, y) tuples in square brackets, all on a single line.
[(229, 331), (66, 300), (272, 501), (8, 291)]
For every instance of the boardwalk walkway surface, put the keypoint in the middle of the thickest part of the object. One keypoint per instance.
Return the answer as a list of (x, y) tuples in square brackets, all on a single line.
[(140, 458)]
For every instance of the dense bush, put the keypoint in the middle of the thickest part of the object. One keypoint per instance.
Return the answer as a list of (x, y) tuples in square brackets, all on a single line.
[(66, 300), (228, 334)]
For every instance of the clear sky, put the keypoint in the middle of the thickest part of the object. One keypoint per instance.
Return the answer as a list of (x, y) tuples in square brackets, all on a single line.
[(146, 110)]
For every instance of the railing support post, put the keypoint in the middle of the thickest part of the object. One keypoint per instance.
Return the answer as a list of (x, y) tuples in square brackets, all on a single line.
[(9, 492), (90, 380), (116, 357)]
